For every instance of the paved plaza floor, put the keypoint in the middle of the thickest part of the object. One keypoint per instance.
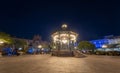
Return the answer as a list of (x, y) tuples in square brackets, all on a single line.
[(52, 64)]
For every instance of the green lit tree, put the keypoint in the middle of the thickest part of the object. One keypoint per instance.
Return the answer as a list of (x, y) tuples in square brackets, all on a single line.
[(86, 45), (6, 38)]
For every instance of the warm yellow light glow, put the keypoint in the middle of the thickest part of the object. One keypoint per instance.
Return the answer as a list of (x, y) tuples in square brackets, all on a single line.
[(63, 37), (55, 38), (64, 41), (40, 46), (104, 46), (64, 26), (73, 37), (75, 47), (1, 42), (54, 47)]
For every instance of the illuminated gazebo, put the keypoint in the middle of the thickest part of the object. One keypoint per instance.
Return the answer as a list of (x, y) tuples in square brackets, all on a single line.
[(64, 41)]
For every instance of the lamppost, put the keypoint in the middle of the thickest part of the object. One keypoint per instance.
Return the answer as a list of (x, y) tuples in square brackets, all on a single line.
[(40, 46)]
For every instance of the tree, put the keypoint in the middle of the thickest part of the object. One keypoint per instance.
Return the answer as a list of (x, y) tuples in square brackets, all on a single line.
[(86, 45), (5, 38)]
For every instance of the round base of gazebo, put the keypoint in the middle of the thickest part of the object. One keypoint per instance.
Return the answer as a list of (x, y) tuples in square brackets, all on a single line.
[(62, 53), (65, 53)]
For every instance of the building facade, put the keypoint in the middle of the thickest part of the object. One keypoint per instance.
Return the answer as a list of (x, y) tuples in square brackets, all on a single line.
[(106, 41)]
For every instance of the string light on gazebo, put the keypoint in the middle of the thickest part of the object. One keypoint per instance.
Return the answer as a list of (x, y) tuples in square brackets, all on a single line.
[(65, 39)]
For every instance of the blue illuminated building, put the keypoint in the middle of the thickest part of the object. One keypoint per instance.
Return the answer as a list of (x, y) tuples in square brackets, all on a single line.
[(108, 40), (7, 51), (99, 43)]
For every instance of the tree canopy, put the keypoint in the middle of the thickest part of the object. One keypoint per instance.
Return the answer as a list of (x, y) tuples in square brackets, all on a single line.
[(86, 45), (5, 38)]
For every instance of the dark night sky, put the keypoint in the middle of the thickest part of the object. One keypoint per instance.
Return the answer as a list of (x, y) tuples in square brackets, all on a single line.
[(92, 19)]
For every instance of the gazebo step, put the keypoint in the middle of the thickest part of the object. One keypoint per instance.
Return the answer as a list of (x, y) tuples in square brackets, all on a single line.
[(62, 53)]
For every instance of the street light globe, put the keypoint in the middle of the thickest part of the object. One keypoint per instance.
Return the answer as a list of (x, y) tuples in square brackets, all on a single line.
[(104, 46), (1, 42), (40, 46)]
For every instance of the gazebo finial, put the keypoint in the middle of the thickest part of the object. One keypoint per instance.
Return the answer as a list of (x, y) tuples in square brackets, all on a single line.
[(64, 26)]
